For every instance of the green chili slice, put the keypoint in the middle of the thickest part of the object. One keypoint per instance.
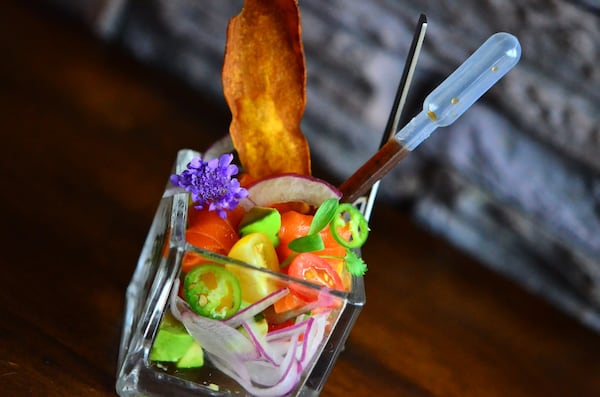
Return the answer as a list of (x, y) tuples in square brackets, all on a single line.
[(349, 227), (212, 291)]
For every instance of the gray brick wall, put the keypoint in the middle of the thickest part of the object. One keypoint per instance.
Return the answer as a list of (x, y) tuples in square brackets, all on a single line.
[(515, 182)]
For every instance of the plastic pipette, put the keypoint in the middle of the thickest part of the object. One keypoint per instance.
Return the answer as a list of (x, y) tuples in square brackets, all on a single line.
[(496, 57)]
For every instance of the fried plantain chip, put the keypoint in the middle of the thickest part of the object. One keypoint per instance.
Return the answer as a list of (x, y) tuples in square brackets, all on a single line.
[(264, 82)]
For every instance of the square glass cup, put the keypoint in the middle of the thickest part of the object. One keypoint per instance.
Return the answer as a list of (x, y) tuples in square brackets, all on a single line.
[(152, 293)]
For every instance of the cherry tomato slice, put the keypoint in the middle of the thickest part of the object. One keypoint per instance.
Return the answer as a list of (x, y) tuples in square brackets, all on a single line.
[(312, 268)]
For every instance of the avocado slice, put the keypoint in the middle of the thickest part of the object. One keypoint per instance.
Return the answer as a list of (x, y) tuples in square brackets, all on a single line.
[(174, 344), (193, 357), (263, 220)]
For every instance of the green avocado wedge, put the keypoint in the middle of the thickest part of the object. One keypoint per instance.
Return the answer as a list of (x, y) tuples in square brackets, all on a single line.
[(262, 220), (173, 344), (193, 357)]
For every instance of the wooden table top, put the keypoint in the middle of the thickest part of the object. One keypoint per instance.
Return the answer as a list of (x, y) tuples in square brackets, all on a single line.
[(89, 136)]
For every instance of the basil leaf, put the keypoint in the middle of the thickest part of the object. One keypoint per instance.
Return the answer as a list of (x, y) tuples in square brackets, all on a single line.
[(323, 216), (311, 242)]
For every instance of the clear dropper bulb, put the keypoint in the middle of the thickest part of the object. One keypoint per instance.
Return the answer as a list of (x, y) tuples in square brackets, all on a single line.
[(499, 54)]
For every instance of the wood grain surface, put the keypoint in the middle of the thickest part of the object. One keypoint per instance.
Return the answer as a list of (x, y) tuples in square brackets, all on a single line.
[(88, 138)]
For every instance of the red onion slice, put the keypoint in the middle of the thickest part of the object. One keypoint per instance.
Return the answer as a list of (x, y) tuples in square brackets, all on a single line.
[(264, 375), (266, 355), (287, 332), (263, 380), (301, 353), (313, 337), (257, 307), (264, 366), (289, 187), (288, 382), (218, 338)]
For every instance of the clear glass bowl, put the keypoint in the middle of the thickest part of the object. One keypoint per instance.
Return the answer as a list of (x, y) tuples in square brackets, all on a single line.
[(149, 296)]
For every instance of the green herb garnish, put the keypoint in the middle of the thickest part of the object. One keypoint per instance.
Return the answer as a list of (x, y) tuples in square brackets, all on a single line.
[(339, 217), (308, 243), (356, 266), (324, 215)]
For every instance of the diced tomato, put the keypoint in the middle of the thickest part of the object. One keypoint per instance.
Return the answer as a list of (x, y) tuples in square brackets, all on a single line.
[(285, 324), (294, 225), (201, 240), (209, 222), (288, 303), (234, 217), (206, 229)]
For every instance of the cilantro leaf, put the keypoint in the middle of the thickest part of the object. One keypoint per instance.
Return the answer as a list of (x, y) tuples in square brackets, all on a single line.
[(356, 266)]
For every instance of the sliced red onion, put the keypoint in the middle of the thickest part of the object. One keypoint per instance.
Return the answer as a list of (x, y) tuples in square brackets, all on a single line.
[(264, 375), (232, 352), (291, 187), (313, 337), (257, 307), (271, 375), (287, 332), (301, 353), (277, 349), (289, 380), (277, 343), (265, 366), (217, 337), (259, 346), (262, 380), (214, 336)]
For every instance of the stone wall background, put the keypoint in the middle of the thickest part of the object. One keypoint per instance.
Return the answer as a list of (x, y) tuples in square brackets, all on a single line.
[(515, 182)]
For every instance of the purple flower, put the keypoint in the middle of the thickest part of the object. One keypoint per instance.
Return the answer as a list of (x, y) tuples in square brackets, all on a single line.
[(211, 184)]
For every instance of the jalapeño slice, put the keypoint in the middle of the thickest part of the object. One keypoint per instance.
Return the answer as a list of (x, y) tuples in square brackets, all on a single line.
[(349, 227), (212, 291)]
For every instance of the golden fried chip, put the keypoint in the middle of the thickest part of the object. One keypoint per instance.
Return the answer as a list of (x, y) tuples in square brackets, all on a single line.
[(264, 82)]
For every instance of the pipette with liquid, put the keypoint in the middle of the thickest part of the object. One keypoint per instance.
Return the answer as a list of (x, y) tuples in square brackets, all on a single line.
[(496, 57)]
